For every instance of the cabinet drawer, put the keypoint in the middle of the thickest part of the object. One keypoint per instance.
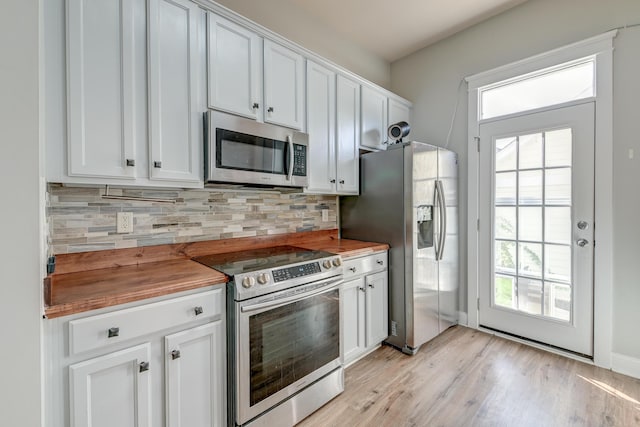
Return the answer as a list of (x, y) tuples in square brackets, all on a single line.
[(98, 331), (363, 265)]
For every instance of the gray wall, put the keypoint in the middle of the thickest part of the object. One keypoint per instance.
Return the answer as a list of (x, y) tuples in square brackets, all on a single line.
[(288, 20), (431, 76), (20, 280)]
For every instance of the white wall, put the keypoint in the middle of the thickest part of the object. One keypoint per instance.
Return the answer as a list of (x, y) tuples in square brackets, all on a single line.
[(288, 20), (20, 284), (431, 76)]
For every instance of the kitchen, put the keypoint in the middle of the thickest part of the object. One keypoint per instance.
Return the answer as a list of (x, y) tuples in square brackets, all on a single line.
[(429, 79)]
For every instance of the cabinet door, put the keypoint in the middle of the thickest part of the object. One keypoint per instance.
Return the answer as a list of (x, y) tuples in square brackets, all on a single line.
[(352, 296), (374, 119), (283, 86), (235, 67), (398, 112), (101, 67), (377, 308), (348, 136), (175, 71), (195, 363), (112, 390), (321, 127)]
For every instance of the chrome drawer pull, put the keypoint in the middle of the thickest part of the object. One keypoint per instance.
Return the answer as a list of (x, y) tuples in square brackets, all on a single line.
[(198, 310), (175, 354), (144, 366), (113, 332)]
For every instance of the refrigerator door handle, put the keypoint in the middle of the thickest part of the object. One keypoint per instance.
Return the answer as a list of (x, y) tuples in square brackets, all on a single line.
[(443, 220), (436, 220)]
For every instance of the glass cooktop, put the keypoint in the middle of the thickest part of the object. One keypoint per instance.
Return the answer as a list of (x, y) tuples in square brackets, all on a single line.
[(234, 263)]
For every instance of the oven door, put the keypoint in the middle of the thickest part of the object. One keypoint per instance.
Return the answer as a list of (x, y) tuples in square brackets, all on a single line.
[(285, 342)]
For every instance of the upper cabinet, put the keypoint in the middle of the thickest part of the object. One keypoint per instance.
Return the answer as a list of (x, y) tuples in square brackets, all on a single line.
[(235, 68), (243, 67), (175, 121), (373, 132), (348, 135), (134, 105), (399, 112)]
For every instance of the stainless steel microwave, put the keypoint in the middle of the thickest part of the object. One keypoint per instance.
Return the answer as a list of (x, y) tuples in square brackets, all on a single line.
[(243, 151)]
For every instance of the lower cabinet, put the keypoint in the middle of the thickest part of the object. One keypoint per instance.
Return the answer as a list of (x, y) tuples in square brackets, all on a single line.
[(364, 296), (144, 370)]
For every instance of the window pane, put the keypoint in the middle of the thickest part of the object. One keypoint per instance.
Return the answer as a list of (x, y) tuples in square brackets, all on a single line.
[(506, 188), (557, 302), (554, 87), (504, 291), (505, 223), (530, 259), (557, 263), (505, 257), (557, 225), (530, 224), (530, 151), (506, 154), (558, 186), (557, 148), (530, 296), (530, 188)]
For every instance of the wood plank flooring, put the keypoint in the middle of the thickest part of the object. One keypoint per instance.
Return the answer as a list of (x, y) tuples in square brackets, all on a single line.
[(466, 377)]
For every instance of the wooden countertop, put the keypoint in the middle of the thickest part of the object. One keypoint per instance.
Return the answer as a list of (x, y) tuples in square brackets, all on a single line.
[(91, 280)]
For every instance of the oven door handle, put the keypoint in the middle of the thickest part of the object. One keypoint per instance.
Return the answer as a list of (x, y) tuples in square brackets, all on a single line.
[(284, 301)]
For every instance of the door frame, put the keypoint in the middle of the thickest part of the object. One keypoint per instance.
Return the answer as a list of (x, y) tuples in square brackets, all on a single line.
[(601, 49)]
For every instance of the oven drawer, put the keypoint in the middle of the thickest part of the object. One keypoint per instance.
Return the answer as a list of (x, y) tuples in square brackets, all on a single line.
[(102, 330), (365, 264)]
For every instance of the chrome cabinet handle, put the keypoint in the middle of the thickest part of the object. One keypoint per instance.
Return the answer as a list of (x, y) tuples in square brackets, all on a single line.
[(270, 109), (198, 310), (157, 165), (256, 105), (144, 366), (380, 262), (131, 162), (333, 181), (342, 181), (175, 354), (361, 288), (113, 332), (371, 286), (352, 269), (582, 242)]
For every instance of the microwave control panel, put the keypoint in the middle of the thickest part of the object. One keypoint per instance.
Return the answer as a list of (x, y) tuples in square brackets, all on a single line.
[(299, 160)]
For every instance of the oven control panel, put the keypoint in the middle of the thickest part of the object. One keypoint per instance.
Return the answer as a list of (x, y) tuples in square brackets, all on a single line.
[(297, 271)]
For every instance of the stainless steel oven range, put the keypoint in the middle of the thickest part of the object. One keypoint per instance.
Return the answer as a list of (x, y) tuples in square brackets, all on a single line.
[(283, 312)]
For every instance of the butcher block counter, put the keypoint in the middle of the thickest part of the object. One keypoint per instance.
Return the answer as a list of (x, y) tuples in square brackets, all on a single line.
[(91, 280)]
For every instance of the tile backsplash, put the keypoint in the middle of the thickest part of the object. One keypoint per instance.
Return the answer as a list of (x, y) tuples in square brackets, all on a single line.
[(80, 219)]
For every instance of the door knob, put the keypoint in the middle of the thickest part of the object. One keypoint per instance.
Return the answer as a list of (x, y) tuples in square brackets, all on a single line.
[(582, 242), (583, 225)]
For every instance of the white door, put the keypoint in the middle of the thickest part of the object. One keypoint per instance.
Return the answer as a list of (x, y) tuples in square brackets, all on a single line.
[(347, 136), (235, 68), (102, 65), (377, 308), (321, 127), (175, 73), (352, 301), (536, 226), (283, 86), (195, 362), (112, 390), (373, 119)]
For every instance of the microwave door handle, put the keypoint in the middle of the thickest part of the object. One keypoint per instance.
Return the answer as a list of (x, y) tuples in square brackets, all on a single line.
[(290, 172)]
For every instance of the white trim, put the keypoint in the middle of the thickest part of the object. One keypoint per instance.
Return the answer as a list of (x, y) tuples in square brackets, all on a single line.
[(601, 47), (625, 365)]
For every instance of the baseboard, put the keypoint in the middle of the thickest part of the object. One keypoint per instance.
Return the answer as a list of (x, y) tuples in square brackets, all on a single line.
[(626, 365), (463, 318)]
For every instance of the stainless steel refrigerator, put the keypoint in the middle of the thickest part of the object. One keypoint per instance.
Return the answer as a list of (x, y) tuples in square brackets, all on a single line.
[(409, 199)]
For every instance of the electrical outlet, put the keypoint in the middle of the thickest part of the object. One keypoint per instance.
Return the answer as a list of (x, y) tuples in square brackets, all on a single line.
[(325, 215), (124, 222)]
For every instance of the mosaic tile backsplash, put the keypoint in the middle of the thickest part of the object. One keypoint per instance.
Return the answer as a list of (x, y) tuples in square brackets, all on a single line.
[(80, 219)]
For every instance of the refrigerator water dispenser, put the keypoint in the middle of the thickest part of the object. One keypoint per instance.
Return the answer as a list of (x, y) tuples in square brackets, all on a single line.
[(425, 226)]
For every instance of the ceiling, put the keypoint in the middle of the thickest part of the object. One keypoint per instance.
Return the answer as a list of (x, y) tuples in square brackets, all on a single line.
[(394, 29)]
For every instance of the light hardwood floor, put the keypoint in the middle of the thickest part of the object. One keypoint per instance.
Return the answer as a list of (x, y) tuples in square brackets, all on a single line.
[(469, 378)]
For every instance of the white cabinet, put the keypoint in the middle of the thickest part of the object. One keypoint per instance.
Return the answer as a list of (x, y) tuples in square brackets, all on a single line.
[(135, 71), (102, 67), (373, 132), (364, 297), (112, 390), (157, 364), (243, 66), (194, 385), (332, 125), (235, 68), (175, 114), (399, 112)]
